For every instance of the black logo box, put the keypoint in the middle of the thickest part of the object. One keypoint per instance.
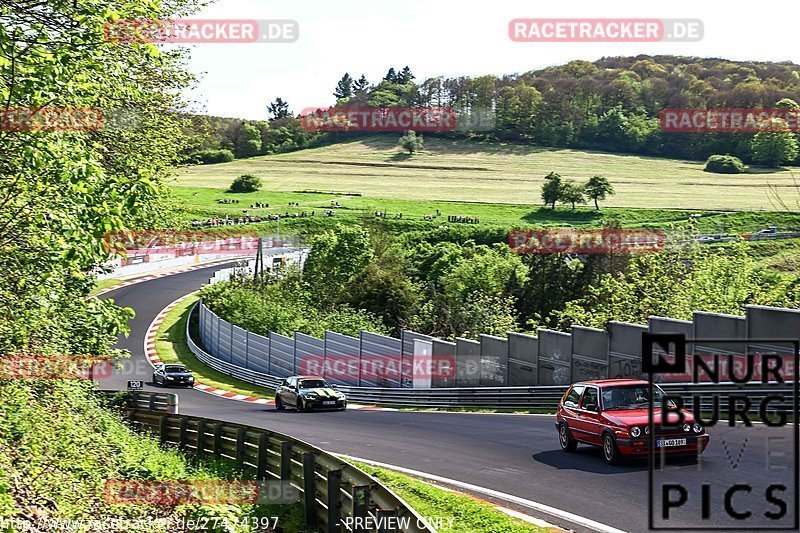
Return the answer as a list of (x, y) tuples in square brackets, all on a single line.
[(666, 340)]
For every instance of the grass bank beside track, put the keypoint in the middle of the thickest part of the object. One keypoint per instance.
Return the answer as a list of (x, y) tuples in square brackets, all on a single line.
[(467, 514)]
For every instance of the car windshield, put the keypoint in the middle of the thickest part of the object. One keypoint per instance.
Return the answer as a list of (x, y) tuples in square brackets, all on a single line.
[(172, 369), (630, 397), (313, 384)]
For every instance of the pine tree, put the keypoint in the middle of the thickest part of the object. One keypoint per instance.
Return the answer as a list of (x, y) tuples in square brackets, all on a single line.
[(344, 89)]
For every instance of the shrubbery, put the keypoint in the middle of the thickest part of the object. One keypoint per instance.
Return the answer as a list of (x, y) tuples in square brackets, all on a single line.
[(724, 164), (245, 183), (208, 157)]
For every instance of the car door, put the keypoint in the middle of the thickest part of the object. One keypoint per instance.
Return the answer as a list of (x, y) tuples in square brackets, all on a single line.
[(569, 410), (590, 415), (158, 375), (291, 392)]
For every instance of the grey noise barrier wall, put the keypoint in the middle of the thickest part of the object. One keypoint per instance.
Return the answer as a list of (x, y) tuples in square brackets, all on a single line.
[(468, 353), (660, 324), (344, 352), (771, 322), (589, 353), (407, 339), (523, 360), (550, 358), (382, 359), (445, 364), (555, 357), (494, 361), (625, 350)]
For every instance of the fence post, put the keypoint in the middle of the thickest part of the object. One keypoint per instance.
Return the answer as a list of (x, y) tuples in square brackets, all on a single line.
[(241, 433), (384, 519), (218, 439), (151, 401), (360, 507), (334, 500), (310, 488), (172, 403), (182, 433), (263, 456), (201, 437), (162, 428), (286, 460)]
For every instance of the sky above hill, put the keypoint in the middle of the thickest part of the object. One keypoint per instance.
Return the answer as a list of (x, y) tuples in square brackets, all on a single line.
[(448, 38)]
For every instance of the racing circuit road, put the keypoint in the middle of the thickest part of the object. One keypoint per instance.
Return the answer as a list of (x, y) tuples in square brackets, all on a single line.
[(514, 454)]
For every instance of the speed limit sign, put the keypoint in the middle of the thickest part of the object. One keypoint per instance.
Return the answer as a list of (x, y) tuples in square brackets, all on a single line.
[(135, 384)]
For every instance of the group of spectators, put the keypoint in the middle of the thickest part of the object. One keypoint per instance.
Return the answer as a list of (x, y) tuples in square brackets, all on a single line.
[(384, 214), (227, 221), (259, 205), (227, 201)]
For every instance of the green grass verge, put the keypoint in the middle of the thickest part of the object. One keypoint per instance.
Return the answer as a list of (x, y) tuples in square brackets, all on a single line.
[(467, 513), (465, 170), (171, 347), (102, 284)]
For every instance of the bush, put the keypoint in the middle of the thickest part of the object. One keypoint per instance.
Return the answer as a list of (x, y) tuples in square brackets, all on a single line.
[(208, 157), (245, 183), (724, 164)]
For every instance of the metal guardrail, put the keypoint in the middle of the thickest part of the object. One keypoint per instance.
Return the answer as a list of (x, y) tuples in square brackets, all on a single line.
[(153, 401), (332, 490), (545, 397)]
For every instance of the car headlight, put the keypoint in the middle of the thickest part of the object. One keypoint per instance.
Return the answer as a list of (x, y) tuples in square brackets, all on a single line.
[(310, 396), (635, 431), (687, 427), (170, 377), (697, 428)]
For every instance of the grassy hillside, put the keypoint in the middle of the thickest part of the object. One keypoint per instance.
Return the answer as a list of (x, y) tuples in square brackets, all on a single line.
[(501, 173)]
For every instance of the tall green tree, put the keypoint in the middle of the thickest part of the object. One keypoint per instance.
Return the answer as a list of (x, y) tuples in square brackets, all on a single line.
[(572, 193), (278, 109), (775, 144), (551, 189), (412, 142), (598, 188), (344, 88), (248, 141), (336, 256)]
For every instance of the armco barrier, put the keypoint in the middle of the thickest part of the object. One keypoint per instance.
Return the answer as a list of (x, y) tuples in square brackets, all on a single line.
[(334, 492), (536, 397), (152, 401)]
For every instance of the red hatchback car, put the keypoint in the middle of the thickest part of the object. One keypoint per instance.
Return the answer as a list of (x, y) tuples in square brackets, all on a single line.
[(613, 414)]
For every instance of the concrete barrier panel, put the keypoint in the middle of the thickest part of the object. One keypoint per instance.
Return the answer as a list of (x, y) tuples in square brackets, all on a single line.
[(625, 350), (555, 357), (468, 355), (719, 326), (589, 353), (239, 347), (494, 361), (523, 360)]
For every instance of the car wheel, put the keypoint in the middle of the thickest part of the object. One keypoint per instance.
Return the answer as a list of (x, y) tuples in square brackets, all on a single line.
[(301, 405), (155, 381), (568, 444), (278, 403), (610, 451)]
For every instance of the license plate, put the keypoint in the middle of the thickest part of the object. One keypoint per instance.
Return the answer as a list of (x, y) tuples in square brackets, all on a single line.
[(664, 443), (328, 403)]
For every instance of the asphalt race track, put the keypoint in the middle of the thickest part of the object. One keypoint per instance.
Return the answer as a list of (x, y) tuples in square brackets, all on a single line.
[(514, 454)]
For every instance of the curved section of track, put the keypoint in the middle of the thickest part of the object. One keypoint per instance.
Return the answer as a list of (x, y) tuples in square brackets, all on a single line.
[(512, 454)]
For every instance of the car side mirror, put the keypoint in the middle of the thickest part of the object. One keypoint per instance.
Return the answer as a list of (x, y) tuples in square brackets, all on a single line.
[(334, 386), (590, 407)]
